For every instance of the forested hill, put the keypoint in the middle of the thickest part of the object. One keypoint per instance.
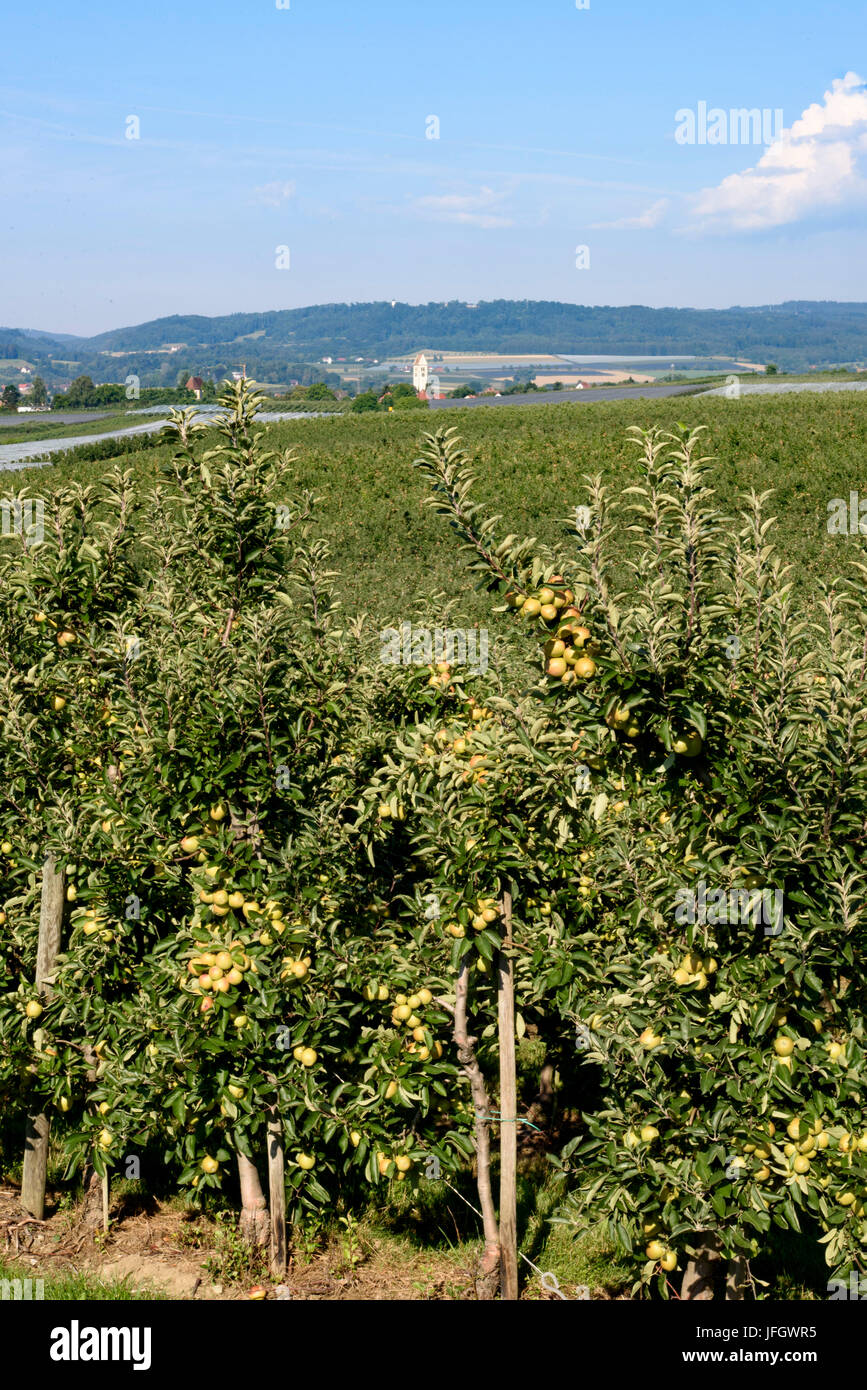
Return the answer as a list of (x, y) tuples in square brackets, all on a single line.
[(795, 334), (821, 332)]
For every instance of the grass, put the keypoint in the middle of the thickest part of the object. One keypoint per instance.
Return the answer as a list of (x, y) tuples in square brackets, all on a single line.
[(396, 560), (73, 1286)]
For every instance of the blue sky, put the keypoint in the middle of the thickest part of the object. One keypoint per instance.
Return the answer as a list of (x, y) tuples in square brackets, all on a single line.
[(306, 127)]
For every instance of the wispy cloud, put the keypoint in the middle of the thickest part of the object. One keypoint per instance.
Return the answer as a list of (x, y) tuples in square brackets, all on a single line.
[(471, 209), (274, 195), (651, 218), (815, 166)]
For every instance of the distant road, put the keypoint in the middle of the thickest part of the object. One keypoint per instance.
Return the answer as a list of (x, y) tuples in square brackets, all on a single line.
[(53, 417), (588, 396), (11, 455), (768, 388), (31, 453)]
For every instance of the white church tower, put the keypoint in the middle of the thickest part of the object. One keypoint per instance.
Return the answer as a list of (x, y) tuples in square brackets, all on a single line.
[(420, 375)]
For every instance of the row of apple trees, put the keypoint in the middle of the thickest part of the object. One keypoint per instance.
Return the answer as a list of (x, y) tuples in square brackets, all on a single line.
[(677, 801), (188, 730)]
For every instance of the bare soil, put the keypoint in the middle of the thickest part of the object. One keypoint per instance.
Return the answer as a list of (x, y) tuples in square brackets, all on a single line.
[(168, 1250)]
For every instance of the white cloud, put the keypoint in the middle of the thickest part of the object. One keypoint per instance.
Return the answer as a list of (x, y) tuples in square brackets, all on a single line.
[(273, 195), (472, 209), (650, 218), (814, 166)]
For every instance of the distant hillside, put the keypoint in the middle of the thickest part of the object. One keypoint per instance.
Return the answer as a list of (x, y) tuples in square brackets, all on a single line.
[(821, 331), (796, 334)]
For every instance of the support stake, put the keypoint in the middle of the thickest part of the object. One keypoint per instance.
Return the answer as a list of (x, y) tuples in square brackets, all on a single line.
[(35, 1167)]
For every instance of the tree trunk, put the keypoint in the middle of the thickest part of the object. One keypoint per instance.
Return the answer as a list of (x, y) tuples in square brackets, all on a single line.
[(253, 1224), (488, 1277), (92, 1208), (698, 1278), (277, 1194), (508, 1113), (35, 1168), (737, 1278), (106, 1199), (540, 1110)]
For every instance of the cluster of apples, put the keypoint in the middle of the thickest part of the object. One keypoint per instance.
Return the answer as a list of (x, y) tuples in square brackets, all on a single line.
[(662, 1255), (213, 972), (404, 1013), (569, 653), (401, 1163), (687, 743), (645, 1135), (192, 844), (807, 1140), (459, 741), (694, 970), (295, 968), (441, 676), (548, 604), (784, 1046), (64, 638), (486, 913)]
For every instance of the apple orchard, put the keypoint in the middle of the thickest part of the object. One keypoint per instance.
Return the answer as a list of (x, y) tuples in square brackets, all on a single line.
[(242, 815)]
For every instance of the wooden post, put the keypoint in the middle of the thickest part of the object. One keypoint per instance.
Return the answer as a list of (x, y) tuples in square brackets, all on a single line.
[(277, 1195), (508, 1113), (36, 1142), (105, 1200), (488, 1277)]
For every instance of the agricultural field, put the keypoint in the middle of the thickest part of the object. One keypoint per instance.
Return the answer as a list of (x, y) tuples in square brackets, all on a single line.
[(384, 965)]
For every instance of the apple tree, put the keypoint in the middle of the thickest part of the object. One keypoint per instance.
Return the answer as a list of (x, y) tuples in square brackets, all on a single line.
[(710, 965)]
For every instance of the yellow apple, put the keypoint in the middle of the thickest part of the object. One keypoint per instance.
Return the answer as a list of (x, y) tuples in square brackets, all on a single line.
[(688, 745)]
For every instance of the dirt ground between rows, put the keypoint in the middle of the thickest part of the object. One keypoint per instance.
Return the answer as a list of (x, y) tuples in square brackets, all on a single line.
[(168, 1251)]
